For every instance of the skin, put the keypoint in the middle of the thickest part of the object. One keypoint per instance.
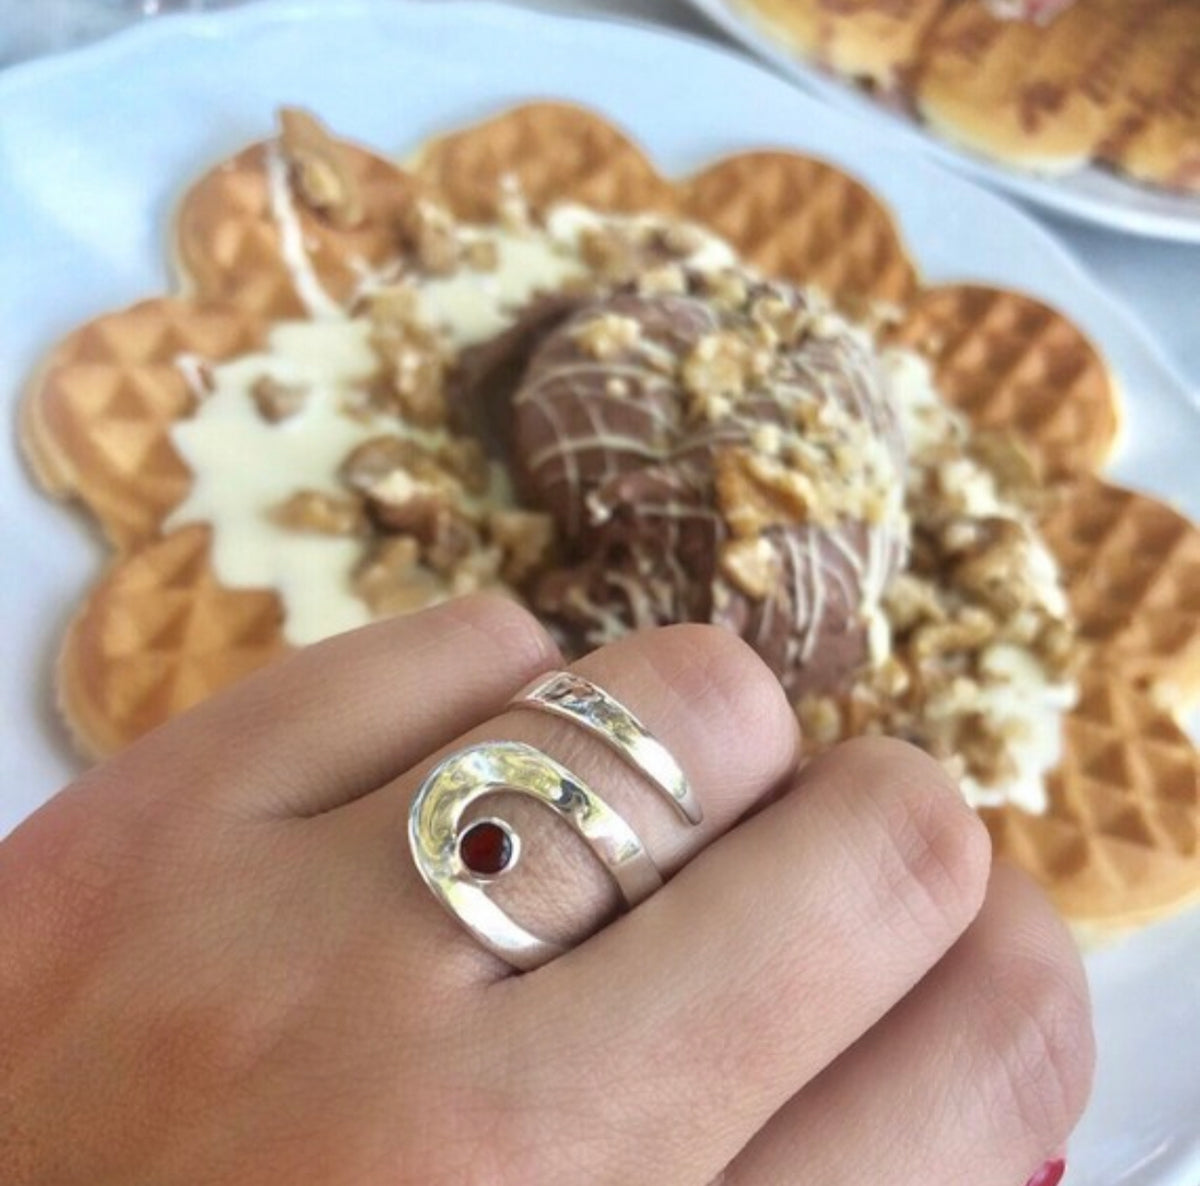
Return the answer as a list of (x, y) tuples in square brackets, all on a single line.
[(220, 965)]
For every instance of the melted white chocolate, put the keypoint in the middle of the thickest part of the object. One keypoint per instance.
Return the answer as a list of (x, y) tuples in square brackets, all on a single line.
[(243, 465)]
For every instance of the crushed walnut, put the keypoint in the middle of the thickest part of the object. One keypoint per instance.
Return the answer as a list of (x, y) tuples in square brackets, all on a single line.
[(276, 400), (413, 360), (319, 512), (609, 334), (979, 627), (321, 170)]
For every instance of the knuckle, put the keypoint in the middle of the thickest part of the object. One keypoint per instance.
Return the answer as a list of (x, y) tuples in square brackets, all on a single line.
[(933, 852), (711, 675), (503, 622), (1039, 1049)]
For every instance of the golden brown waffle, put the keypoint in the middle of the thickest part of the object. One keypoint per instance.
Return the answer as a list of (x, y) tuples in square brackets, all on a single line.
[(1113, 81), (159, 632), (1116, 81), (1120, 843), (1009, 361), (228, 239), (156, 635), (799, 218), (95, 426), (1131, 567), (555, 153)]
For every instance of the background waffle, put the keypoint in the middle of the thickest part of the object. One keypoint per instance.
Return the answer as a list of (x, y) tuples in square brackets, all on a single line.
[(1112, 81), (159, 632)]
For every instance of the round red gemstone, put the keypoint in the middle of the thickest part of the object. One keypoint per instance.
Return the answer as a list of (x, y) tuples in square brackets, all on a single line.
[(486, 848)]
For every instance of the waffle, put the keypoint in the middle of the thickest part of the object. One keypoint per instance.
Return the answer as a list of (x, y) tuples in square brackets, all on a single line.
[(229, 245), (156, 635), (96, 427), (1011, 362), (1131, 568), (159, 632), (1119, 845), (1110, 81)]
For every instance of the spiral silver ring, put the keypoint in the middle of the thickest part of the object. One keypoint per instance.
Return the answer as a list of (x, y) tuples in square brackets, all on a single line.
[(458, 860)]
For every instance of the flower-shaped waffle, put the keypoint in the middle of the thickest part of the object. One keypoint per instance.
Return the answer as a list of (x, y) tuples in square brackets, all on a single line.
[(1120, 841)]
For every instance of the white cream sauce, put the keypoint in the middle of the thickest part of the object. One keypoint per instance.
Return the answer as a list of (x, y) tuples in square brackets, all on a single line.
[(243, 465)]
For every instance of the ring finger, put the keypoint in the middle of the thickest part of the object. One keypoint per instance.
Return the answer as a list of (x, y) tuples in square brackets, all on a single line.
[(699, 691)]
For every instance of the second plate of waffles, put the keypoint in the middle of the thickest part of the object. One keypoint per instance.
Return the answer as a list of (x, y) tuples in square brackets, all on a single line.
[(116, 364), (1087, 107)]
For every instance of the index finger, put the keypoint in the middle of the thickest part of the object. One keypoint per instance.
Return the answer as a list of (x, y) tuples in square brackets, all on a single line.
[(340, 718)]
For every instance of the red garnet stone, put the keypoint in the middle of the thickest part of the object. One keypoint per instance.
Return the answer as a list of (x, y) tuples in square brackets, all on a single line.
[(486, 848)]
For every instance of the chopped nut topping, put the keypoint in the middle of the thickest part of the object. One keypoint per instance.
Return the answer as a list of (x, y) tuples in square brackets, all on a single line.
[(392, 580), (465, 458), (820, 720), (433, 234), (321, 513), (678, 239), (608, 335), (525, 540), (414, 501), (413, 363), (513, 208), (754, 493), (1017, 471), (727, 286), (276, 400), (751, 565), (368, 464), (452, 540), (717, 371), (482, 255), (611, 253), (321, 170), (477, 570), (664, 280)]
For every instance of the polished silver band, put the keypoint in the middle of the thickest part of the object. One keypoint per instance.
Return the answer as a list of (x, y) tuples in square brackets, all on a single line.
[(580, 701), (436, 835)]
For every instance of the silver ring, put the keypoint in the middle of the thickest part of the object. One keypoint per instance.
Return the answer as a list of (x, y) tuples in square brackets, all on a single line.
[(450, 858), (568, 695)]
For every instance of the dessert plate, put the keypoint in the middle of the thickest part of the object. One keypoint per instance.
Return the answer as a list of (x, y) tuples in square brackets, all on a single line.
[(86, 195), (1091, 195)]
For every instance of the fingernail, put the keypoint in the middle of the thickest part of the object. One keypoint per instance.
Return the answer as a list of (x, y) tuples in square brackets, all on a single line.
[(1050, 1174)]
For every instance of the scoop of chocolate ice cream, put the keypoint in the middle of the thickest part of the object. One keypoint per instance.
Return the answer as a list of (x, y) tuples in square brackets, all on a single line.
[(715, 448)]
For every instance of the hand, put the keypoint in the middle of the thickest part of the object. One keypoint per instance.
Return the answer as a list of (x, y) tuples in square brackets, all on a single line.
[(221, 966)]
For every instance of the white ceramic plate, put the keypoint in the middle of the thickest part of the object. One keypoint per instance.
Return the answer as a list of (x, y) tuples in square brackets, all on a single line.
[(96, 146), (1091, 195)]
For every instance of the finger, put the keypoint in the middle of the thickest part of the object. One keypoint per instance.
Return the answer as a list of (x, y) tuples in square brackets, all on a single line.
[(340, 718), (700, 690), (774, 950), (976, 1078)]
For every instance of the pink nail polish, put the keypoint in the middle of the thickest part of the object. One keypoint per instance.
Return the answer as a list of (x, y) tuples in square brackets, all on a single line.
[(1050, 1174)]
